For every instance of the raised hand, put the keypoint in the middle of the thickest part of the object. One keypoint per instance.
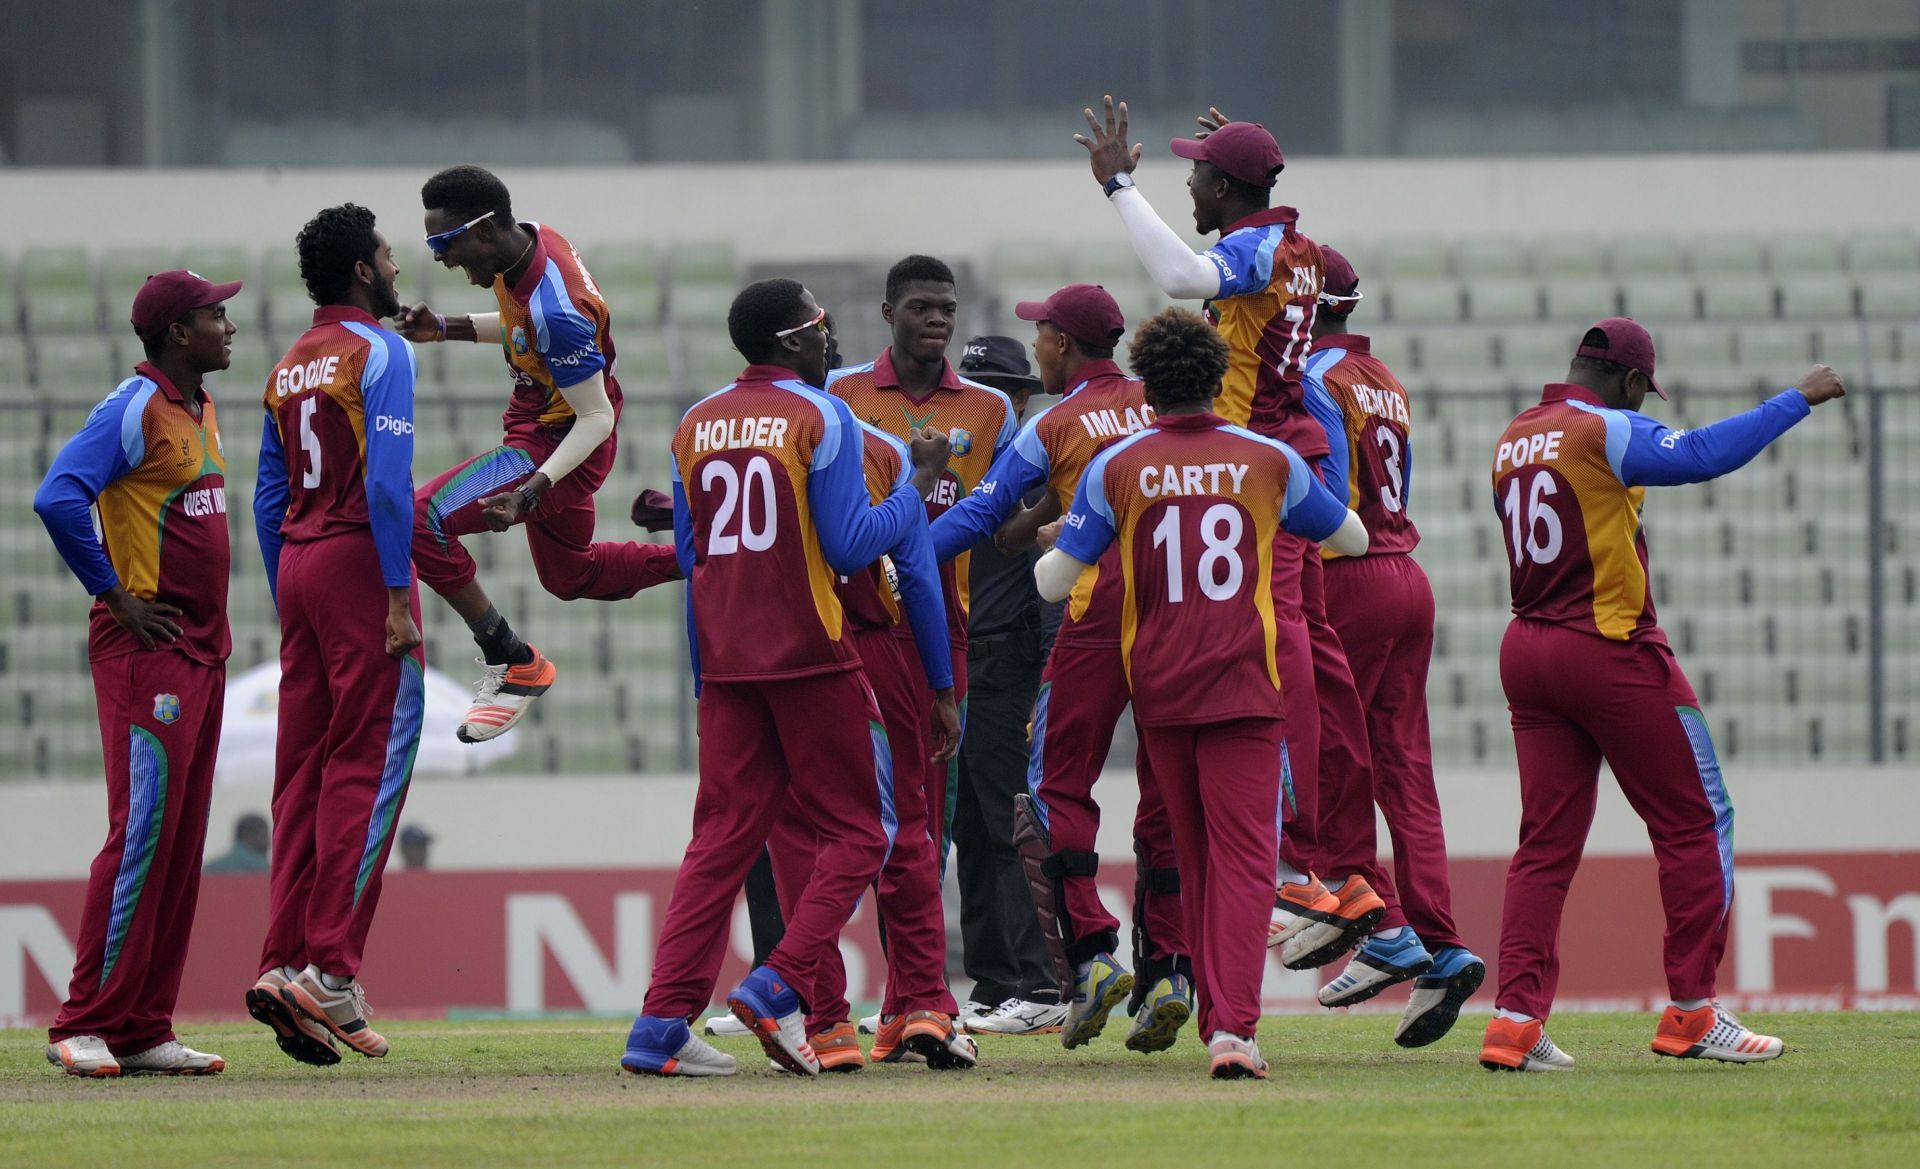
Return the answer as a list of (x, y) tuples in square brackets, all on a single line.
[(1821, 384), (417, 322), (1210, 121), (1107, 148)]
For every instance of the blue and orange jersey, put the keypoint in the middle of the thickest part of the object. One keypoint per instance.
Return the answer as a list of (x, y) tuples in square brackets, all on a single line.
[(979, 421), (555, 332), (770, 509), (1194, 502), (336, 454), (1570, 477), (1368, 421), (1270, 278), (1055, 448), (905, 583), (153, 468)]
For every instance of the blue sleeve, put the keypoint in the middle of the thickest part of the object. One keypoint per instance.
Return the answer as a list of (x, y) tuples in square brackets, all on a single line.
[(109, 445), (1090, 527), (1245, 260), (270, 497), (683, 554), (1020, 468), (1326, 411), (926, 607), (1308, 509), (852, 534), (1647, 454), (563, 334), (387, 390)]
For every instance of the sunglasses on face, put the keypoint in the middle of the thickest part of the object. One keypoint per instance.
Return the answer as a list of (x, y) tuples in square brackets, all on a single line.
[(819, 322), (439, 242)]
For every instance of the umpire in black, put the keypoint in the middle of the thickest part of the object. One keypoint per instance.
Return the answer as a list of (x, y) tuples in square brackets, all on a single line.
[(1010, 631)]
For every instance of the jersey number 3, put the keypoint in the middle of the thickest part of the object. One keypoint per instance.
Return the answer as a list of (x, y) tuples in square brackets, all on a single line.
[(746, 494)]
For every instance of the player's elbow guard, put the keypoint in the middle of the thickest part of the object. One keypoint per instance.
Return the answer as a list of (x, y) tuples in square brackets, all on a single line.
[(1350, 538), (1054, 575)]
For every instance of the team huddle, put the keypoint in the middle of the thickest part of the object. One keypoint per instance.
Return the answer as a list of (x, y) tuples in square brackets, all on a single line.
[(1227, 530)]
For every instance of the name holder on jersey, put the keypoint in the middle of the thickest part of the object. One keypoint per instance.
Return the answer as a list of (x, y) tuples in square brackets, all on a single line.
[(726, 434)]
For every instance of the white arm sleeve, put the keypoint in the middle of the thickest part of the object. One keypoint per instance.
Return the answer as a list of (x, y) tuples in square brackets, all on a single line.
[(1351, 538), (1055, 573), (1178, 271), (592, 423), (486, 327)]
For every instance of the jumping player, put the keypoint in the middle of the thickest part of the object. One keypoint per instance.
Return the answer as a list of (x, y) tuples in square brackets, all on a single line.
[(911, 385), (555, 332), (917, 1013), (1193, 503), (1262, 281), (1589, 676), (1084, 689), (334, 513), (149, 459), (770, 503), (1382, 607)]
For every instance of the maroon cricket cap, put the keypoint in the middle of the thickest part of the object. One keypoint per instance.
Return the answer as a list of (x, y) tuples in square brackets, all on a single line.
[(1342, 285), (1623, 341), (1085, 312), (168, 296), (1243, 150)]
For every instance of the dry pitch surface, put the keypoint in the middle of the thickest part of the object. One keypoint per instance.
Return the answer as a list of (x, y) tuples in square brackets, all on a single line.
[(551, 1093)]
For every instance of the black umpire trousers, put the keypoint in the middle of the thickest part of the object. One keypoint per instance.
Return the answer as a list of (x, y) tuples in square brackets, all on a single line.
[(1003, 953)]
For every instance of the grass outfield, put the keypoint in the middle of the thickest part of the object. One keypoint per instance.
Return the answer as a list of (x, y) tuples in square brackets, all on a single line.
[(550, 1093)]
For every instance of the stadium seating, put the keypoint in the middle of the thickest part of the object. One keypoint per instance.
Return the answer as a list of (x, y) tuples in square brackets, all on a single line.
[(1761, 579)]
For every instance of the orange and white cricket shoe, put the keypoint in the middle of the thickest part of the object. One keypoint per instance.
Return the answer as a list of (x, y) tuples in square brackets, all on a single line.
[(888, 1032), (83, 1055), (932, 1036), (1231, 1057), (1360, 910), (838, 1049), (298, 1036), (1297, 906), (172, 1058), (1711, 1032), (503, 695), (342, 1011), (1513, 1046)]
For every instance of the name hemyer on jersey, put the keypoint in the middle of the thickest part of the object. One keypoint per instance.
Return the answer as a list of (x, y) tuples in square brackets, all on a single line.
[(1190, 478), (725, 434), (1383, 404)]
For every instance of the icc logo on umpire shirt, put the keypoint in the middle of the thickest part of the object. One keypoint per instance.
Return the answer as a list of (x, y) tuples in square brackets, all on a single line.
[(961, 440), (166, 708)]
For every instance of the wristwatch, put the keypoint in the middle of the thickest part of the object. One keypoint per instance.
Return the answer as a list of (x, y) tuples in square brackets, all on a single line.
[(529, 499), (1119, 182)]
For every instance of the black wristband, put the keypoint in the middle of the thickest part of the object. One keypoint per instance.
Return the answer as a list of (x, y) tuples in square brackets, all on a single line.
[(529, 499), (1119, 182)]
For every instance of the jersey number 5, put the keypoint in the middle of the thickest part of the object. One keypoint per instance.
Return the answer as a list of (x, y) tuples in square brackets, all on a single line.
[(1219, 569), (310, 442), (746, 492), (1533, 531)]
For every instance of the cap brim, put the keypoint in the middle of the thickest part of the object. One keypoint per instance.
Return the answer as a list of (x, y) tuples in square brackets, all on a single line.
[(1032, 310), (220, 293), (1194, 148), (1002, 381), (1656, 388)]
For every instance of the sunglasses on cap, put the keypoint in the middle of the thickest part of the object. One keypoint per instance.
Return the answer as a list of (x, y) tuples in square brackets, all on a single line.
[(819, 322), (439, 242)]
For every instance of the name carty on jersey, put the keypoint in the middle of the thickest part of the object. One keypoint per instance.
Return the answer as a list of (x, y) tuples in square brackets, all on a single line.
[(1535, 448), (1191, 478), (1383, 404), (295, 378), (725, 434), (1111, 423)]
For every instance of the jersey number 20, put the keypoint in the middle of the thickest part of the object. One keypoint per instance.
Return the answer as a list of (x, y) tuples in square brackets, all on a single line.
[(747, 493), (1219, 568)]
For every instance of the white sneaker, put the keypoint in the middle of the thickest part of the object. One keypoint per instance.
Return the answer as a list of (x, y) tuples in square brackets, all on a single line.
[(1021, 1017), (869, 1024), (173, 1058), (1234, 1058), (1546, 1056), (971, 1010), (1712, 1032), (84, 1055), (697, 1057), (504, 694), (726, 1027)]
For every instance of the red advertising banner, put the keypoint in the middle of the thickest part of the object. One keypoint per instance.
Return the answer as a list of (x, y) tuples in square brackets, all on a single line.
[(1815, 931)]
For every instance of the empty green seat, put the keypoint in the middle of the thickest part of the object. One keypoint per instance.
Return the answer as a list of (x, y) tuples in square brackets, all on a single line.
[(1501, 298), (1645, 255), (14, 383), (1414, 257), (1793, 256), (1854, 344), (1882, 250), (1653, 299), (56, 285), (710, 262), (701, 305), (1817, 294), (124, 270), (1392, 346), (1775, 355), (76, 367), (1725, 255), (1479, 257), (1695, 355), (1569, 255), (1890, 294), (1424, 301), (1732, 298), (1581, 298)]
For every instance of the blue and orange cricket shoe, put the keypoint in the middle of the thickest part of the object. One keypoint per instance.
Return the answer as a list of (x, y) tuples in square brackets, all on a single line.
[(772, 1010), (668, 1047)]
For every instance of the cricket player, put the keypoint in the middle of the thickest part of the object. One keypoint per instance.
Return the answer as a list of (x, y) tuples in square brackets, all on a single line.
[(1381, 606), (917, 1012), (148, 460), (1084, 689), (556, 333), (910, 386), (1589, 676), (1193, 503), (334, 512), (770, 505), (1262, 282)]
